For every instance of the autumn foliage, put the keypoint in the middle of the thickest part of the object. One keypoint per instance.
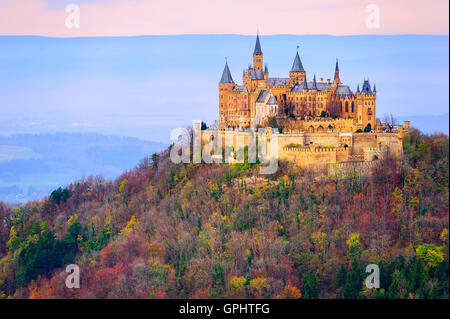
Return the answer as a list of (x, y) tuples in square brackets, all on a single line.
[(164, 230)]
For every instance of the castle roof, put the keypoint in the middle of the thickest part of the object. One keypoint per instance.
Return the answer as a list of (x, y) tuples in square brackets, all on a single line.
[(320, 86), (366, 87), (277, 81), (272, 101), (314, 84), (256, 74), (257, 46), (343, 90), (226, 75), (262, 96), (297, 65)]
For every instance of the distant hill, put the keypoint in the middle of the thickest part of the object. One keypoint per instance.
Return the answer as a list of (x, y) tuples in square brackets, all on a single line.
[(124, 85), (428, 123), (31, 165)]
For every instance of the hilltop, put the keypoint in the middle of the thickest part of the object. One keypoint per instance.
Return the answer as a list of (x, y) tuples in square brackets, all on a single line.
[(163, 230)]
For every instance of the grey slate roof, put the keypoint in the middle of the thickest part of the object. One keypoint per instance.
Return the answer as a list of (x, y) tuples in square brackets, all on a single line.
[(272, 100), (366, 87), (256, 74), (320, 86), (314, 84), (257, 46), (277, 81), (343, 90), (262, 96), (226, 75), (297, 65)]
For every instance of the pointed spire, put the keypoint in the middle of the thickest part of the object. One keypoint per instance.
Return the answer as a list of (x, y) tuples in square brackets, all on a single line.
[(357, 89), (226, 75), (314, 83), (266, 69), (336, 73), (297, 65), (366, 87), (257, 46), (374, 88), (305, 84)]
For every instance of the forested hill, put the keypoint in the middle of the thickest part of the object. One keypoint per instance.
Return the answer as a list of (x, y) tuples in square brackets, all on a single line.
[(32, 165), (216, 231)]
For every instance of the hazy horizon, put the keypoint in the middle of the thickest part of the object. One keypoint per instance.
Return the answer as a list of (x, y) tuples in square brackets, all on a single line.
[(145, 86)]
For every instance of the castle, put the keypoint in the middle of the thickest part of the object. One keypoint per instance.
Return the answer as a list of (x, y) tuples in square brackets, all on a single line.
[(321, 122)]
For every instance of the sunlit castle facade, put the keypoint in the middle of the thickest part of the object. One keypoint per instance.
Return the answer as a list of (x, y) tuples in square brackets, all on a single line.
[(260, 97), (320, 122)]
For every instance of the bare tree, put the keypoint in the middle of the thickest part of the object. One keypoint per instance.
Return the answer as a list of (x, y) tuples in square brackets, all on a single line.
[(390, 120)]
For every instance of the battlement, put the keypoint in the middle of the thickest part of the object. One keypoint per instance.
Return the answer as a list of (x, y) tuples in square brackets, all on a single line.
[(316, 149)]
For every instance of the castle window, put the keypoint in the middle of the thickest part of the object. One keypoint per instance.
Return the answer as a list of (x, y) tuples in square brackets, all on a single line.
[(346, 106), (353, 106)]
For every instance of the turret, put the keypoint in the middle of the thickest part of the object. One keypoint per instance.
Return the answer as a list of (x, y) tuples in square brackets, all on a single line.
[(366, 105), (257, 55), (297, 71), (226, 75), (226, 85), (337, 80), (314, 84)]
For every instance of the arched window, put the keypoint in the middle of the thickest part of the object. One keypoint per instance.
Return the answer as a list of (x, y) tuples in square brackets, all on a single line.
[(330, 129), (320, 129), (353, 107), (311, 129), (346, 106)]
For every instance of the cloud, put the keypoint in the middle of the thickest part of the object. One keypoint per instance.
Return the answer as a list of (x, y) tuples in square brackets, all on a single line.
[(151, 17)]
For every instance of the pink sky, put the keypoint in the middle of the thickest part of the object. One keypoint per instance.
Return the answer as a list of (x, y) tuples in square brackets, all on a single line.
[(155, 17)]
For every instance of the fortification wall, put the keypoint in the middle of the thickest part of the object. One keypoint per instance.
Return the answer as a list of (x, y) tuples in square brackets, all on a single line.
[(292, 125), (309, 149)]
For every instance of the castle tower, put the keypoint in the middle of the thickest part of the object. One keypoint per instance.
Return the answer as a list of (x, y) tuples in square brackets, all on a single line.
[(366, 105), (337, 80), (257, 55), (297, 72), (226, 86)]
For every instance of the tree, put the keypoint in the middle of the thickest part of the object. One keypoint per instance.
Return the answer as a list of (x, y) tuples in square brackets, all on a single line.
[(340, 277), (390, 120), (353, 282), (59, 196), (354, 246), (218, 281), (430, 254), (310, 286)]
